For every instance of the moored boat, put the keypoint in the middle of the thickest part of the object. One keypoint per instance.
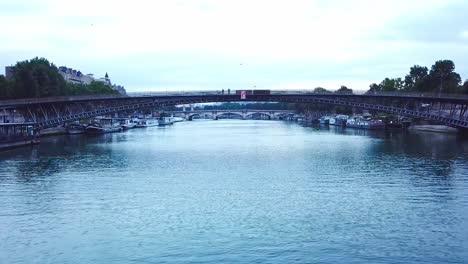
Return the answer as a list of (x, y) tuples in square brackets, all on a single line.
[(165, 120), (359, 122), (339, 120), (324, 120), (146, 122), (103, 125), (128, 124)]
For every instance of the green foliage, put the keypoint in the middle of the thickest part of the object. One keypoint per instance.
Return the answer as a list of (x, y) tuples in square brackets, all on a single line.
[(344, 90), (5, 87), (417, 79), (92, 88), (40, 78), (373, 88), (321, 90), (37, 78), (442, 78), (465, 87), (391, 85)]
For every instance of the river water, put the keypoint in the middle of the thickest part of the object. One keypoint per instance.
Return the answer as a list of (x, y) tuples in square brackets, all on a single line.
[(233, 191)]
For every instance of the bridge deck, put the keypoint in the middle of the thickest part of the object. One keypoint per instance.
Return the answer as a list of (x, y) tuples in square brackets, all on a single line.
[(159, 95)]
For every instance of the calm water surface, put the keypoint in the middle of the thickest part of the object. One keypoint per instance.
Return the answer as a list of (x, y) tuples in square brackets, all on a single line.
[(236, 192)]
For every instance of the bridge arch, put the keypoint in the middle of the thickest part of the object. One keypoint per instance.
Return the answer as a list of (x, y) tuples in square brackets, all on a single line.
[(217, 116), (270, 117), (201, 115)]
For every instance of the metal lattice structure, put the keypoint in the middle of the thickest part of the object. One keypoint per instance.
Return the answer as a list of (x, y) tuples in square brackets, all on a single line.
[(450, 110)]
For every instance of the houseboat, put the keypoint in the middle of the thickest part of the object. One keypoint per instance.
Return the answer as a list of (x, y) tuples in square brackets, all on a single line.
[(146, 122), (339, 120), (360, 122), (324, 120), (165, 120), (128, 123), (103, 125), (17, 134)]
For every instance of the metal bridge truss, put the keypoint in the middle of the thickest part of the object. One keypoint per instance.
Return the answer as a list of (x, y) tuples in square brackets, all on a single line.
[(49, 114)]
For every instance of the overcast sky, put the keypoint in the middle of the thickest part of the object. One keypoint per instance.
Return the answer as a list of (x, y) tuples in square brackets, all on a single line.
[(179, 45)]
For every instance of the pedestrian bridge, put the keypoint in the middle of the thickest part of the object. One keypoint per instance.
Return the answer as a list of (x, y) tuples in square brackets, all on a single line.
[(47, 112)]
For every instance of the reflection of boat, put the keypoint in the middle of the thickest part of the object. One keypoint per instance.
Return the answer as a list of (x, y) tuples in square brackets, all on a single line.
[(75, 129), (359, 122), (103, 125), (148, 122), (165, 120)]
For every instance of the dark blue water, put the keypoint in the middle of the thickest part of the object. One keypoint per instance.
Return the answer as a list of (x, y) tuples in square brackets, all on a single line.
[(236, 192)]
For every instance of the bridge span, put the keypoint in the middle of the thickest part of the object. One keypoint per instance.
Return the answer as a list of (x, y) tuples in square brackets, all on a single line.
[(47, 112), (242, 113)]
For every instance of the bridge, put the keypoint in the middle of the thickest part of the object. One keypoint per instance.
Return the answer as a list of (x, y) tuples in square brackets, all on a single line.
[(242, 113), (47, 112)]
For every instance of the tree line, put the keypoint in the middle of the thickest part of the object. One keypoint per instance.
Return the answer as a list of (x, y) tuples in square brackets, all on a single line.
[(441, 78), (40, 78)]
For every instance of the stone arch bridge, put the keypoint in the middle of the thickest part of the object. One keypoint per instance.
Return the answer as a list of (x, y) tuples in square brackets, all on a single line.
[(242, 113), (47, 112)]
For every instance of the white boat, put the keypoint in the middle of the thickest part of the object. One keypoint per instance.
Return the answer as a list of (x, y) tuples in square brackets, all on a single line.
[(332, 121), (360, 122), (147, 122), (165, 120), (103, 125), (128, 124), (340, 120), (324, 120)]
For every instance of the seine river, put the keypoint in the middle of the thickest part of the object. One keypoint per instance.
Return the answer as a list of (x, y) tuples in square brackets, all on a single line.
[(233, 191)]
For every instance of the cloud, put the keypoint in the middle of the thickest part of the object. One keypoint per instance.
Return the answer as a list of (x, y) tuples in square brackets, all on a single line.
[(201, 44)]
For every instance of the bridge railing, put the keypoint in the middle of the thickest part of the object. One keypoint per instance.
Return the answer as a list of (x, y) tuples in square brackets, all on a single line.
[(53, 99), (13, 102), (302, 92)]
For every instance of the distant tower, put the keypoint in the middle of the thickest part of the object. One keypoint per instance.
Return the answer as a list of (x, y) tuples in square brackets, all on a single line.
[(107, 80)]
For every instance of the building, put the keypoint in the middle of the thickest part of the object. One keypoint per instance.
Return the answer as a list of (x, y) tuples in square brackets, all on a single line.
[(9, 72), (74, 76)]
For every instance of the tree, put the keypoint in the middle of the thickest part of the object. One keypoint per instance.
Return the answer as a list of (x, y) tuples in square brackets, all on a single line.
[(321, 90), (417, 79), (37, 78), (443, 77), (344, 90), (391, 85), (465, 87), (374, 88), (5, 87)]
